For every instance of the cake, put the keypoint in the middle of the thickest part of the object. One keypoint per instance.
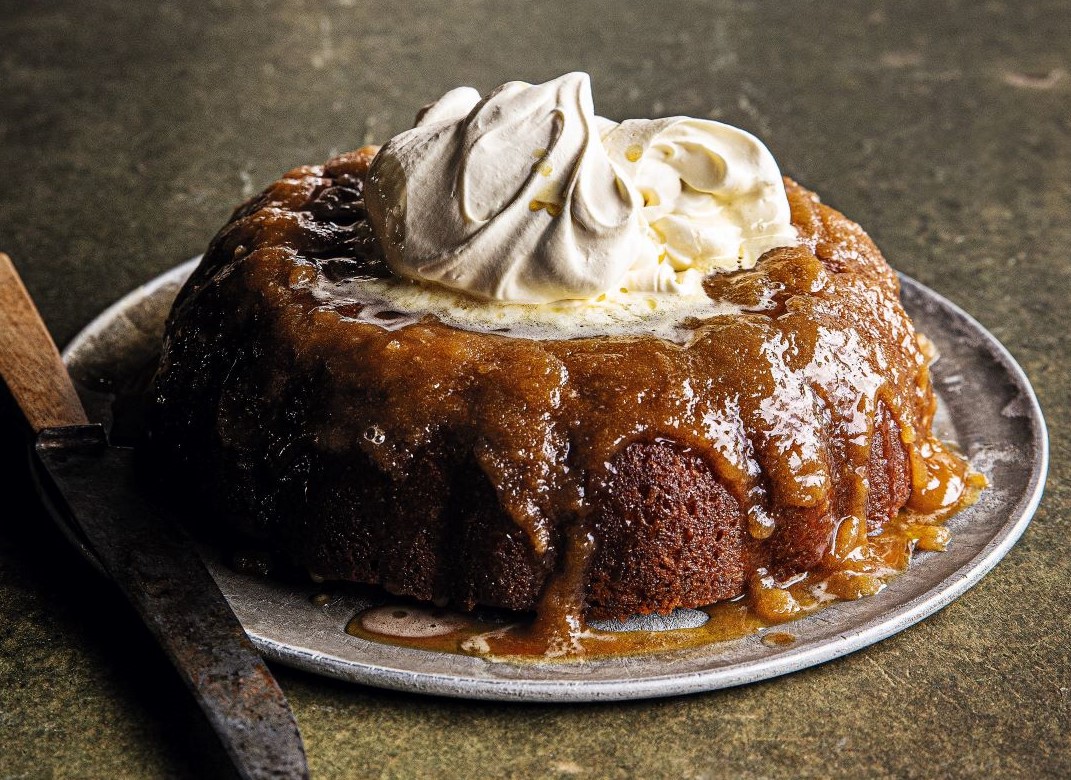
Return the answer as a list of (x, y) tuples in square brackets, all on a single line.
[(474, 438)]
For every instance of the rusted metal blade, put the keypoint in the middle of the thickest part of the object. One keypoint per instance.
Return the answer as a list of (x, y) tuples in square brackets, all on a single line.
[(156, 566)]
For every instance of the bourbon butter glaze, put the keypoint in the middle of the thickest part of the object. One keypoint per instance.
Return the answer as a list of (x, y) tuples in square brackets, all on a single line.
[(784, 401)]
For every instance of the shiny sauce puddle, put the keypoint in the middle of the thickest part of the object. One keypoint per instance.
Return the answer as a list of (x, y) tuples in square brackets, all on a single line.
[(862, 571)]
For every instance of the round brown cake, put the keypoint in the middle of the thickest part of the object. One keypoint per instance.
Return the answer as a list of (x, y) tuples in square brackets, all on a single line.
[(607, 475)]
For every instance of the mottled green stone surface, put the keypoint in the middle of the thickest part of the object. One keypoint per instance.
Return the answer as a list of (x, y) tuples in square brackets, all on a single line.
[(129, 130)]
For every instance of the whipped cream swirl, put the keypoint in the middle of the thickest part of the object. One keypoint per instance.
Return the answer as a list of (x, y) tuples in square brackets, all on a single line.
[(526, 196)]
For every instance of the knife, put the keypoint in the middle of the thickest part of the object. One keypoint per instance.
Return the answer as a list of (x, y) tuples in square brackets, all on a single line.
[(151, 559)]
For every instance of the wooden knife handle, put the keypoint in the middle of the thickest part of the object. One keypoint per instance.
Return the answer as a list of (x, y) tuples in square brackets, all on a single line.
[(30, 364)]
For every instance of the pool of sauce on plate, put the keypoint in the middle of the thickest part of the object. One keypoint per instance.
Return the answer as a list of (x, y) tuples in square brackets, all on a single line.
[(864, 571)]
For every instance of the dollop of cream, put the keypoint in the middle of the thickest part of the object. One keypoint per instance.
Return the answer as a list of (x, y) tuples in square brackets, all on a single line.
[(526, 196)]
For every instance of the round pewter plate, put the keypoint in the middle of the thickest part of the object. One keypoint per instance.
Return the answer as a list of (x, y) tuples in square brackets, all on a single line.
[(986, 406)]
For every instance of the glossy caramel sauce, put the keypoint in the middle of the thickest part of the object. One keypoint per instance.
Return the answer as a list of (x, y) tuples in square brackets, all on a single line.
[(864, 571), (808, 360), (778, 639)]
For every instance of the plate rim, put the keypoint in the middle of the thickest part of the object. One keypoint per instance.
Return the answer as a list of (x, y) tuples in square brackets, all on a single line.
[(786, 661)]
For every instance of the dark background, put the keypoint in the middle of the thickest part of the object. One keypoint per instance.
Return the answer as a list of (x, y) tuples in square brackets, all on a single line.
[(129, 130)]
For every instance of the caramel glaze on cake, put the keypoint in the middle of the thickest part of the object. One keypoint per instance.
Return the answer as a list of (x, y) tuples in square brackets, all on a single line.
[(601, 476)]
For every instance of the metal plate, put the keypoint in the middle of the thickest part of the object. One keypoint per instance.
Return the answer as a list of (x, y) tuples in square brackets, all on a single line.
[(987, 407)]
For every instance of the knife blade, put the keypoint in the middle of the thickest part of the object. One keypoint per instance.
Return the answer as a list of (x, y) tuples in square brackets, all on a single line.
[(152, 560)]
